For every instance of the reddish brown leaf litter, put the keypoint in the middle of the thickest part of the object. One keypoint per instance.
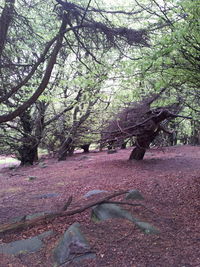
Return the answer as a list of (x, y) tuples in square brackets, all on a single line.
[(168, 179)]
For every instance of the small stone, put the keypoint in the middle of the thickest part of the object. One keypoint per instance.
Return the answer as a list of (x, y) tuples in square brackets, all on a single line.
[(48, 195), (42, 165), (31, 178)]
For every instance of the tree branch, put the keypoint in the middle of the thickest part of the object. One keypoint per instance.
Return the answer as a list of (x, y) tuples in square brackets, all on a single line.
[(44, 81), (29, 76), (9, 227), (5, 21)]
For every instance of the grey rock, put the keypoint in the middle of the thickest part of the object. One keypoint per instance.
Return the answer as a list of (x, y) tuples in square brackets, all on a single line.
[(134, 194), (31, 178), (29, 245), (147, 228), (71, 245), (18, 219), (94, 192), (29, 216), (45, 234), (36, 215), (43, 165), (109, 211), (88, 255)]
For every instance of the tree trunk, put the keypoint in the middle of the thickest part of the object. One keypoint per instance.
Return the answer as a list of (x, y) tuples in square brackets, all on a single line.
[(137, 153), (142, 144), (28, 148), (71, 150), (123, 145), (28, 154), (46, 77), (195, 129), (6, 18), (65, 149), (86, 148)]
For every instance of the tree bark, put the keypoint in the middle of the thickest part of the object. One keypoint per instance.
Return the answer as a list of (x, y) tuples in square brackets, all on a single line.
[(137, 153), (45, 80), (28, 153), (65, 149), (123, 146), (5, 21), (142, 144), (32, 135), (86, 148)]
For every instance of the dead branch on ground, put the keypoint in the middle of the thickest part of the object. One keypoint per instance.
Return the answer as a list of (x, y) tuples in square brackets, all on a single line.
[(22, 225)]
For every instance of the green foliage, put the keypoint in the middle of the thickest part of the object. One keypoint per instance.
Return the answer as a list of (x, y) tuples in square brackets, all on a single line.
[(124, 75), (172, 62)]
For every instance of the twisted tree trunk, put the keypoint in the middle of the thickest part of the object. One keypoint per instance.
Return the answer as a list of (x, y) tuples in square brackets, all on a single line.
[(86, 148), (28, 152), (142, 144), (66, 149), (137, 153)]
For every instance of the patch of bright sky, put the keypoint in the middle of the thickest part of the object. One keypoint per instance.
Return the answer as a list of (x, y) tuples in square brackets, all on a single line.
[(125, 3), (115, 3)]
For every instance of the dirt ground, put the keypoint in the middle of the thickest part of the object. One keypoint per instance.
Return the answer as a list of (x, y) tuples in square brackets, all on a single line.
[(169, 179)]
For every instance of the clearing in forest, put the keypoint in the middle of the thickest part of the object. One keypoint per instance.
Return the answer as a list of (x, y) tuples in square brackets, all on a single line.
[(169, 180)]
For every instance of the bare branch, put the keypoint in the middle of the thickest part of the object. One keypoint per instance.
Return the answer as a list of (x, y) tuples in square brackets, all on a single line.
[(6, 228), (45, 80)]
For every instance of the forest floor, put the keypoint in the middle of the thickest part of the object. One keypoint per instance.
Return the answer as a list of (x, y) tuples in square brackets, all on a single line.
[(169, 180)]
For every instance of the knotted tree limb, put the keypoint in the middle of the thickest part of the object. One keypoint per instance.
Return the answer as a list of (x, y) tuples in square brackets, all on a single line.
[(19, 226), (122, 130), (142, 122)]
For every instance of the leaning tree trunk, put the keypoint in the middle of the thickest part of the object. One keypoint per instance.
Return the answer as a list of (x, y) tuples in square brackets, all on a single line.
[(142, 144), (65, 149), (137, 153)]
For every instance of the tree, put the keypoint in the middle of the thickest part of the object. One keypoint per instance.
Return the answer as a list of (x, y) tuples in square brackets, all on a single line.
[(173, 59), (13, 87), (89, 85), (76, 20), (25, 134), (32, 55), (141, 121)]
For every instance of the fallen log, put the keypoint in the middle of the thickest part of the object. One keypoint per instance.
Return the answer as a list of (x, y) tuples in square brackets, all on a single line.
[(22, 225)]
